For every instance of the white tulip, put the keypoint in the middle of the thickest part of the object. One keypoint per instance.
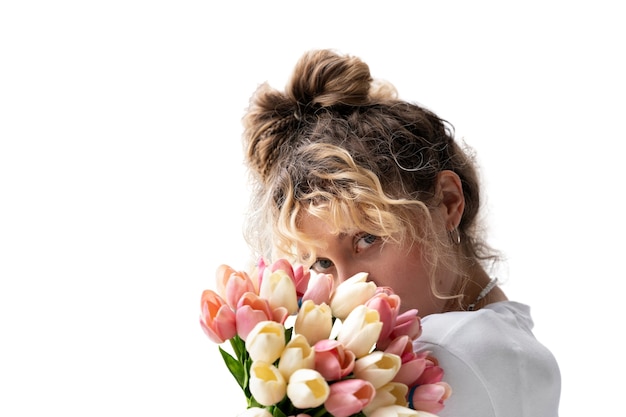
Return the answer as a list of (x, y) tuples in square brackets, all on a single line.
[(314, 321), (378, 367), (352, 292), (298, 354), (279, 289), (307, 388), (360, 330), (267, 384), (266, 341)]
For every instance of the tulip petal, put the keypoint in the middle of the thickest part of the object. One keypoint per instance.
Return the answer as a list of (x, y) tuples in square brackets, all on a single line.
[(349, 397)]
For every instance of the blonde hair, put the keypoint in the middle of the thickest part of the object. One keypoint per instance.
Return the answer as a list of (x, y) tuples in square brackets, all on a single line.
[(340, 146)]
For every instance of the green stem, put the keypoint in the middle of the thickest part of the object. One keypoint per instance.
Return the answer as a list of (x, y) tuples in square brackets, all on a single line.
[(320, 413)]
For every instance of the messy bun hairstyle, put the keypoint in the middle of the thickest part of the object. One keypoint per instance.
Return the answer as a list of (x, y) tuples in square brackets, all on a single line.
[(341, 146)]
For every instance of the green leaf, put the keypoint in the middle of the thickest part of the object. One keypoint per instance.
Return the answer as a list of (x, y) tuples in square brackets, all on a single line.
[(277, 412), (235, 367), (318, 412), (239, 346), (288, 334), (252, 402)]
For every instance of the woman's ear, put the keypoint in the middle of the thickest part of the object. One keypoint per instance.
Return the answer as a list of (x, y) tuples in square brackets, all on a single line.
[(452, 199)]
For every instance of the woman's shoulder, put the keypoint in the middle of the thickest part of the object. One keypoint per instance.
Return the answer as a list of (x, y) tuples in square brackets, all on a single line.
[(503, 316), (499, 332), (493, 361)]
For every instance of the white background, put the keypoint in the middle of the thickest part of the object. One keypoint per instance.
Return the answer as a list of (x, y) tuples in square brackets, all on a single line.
[(122, 186)]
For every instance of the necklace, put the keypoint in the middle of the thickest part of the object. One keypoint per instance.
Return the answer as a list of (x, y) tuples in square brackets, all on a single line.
[(483, 293)]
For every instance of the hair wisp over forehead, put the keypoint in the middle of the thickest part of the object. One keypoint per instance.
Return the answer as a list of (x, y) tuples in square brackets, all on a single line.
[(344, 195)]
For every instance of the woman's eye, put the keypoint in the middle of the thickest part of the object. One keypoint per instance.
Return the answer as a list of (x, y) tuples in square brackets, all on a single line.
[(364, 241), (322, 265)]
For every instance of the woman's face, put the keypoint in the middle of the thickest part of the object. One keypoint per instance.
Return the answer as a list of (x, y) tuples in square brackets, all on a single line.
[(401, 268)]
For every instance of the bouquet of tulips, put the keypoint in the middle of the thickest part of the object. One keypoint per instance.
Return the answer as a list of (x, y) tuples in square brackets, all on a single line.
[(303, 347)]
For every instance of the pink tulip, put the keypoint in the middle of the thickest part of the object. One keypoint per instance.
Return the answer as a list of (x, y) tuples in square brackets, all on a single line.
[(319, 289), (301, 277), (257, 274), (388, 307), (298, 274), (407, 323), (348, 397), (251, 309), (231, 284), (217, 318), (332, 360), (413, 364), (433, 373), (429, 397)]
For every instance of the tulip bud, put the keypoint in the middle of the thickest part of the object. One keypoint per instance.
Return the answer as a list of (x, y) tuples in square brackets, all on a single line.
[(267, 385), (398, 411), (432, 372), (233, 284), (407, 323), (301, 278), (352, 292), (429, 397), (279, 290), (360, 330), (393, 393), (251, 309), (314, 321), (332, 360), (413, 364), (298, 354), (388, 307), (319, 289), (217, 319), (349, 397), (378, 368), (266, 341), (307, 388)]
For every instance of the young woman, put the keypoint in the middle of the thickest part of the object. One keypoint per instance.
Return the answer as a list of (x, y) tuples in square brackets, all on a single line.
[(348, 178)]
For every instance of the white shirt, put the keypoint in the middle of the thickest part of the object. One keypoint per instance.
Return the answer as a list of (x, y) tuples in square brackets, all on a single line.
[(493, 362)]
